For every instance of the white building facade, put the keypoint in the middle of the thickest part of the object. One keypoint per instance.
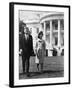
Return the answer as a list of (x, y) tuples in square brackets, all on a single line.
[(52, 26)]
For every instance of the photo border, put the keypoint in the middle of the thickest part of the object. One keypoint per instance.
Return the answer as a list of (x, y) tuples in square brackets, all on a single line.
[(11, 42)]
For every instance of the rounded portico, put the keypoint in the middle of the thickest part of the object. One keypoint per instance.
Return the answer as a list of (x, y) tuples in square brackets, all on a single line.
[(53, 27)]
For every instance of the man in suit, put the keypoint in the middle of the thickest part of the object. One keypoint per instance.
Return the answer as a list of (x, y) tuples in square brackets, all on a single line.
[(26, 49)]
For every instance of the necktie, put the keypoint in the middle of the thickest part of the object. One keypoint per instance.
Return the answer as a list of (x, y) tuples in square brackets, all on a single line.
[(26, 37)]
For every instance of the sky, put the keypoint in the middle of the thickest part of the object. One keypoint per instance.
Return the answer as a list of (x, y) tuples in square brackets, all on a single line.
[(29, 16)]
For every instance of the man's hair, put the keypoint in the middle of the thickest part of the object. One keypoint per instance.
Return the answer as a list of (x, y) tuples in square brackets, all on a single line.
[(27, 29)]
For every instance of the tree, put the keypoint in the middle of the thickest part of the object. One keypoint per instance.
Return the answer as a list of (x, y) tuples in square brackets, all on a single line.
[(21, 29), (21, 26)]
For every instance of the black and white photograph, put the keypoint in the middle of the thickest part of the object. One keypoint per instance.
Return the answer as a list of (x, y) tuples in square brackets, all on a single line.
[(41, 53), (41, 42)]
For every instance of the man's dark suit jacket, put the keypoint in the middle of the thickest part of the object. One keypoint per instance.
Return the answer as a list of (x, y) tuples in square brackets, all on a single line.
[(26, 46)]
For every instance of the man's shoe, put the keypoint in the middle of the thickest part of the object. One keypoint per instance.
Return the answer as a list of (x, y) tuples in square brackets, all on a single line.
[(28, 75)]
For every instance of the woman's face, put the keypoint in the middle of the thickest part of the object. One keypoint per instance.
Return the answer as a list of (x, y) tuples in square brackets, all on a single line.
[(41, 35)]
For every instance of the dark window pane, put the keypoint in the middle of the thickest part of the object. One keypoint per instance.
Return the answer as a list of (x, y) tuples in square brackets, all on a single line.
[(55, 24), (61, 24), (37, 30), (56, 40), (48, 25)]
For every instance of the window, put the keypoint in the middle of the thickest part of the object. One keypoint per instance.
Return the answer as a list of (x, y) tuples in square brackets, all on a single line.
[(37, 30), (48, 25), (56, 40), (55, 24), (61, 24)]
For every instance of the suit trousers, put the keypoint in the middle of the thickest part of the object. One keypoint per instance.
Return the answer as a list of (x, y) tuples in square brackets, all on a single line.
[(25, 64)]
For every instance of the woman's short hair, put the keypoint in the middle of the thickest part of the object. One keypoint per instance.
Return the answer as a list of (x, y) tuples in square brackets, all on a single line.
[(40, 34)]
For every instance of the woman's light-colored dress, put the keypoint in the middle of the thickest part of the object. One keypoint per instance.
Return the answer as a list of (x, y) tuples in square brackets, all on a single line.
[(40, 51)]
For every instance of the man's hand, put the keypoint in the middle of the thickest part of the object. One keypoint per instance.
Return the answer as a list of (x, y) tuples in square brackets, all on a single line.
[(20, 51)]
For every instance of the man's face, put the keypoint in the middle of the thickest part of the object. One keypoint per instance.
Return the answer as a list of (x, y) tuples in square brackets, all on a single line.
[(26, 31)]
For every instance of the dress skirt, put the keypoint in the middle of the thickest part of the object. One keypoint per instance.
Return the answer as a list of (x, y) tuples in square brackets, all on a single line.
[(40, 56)]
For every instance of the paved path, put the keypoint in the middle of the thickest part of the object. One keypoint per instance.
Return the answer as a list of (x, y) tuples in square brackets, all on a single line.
[(45, 74), (50, 64)]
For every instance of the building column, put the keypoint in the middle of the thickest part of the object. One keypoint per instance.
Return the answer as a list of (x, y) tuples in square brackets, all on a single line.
[(41, 29), (44, 31), (51, 33), (59, 34)]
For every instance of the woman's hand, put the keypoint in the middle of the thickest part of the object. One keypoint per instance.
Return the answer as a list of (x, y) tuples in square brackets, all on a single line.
[(35, 51)]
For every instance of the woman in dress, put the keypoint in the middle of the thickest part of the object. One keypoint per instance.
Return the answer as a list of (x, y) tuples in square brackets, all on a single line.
[(40, 51)]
